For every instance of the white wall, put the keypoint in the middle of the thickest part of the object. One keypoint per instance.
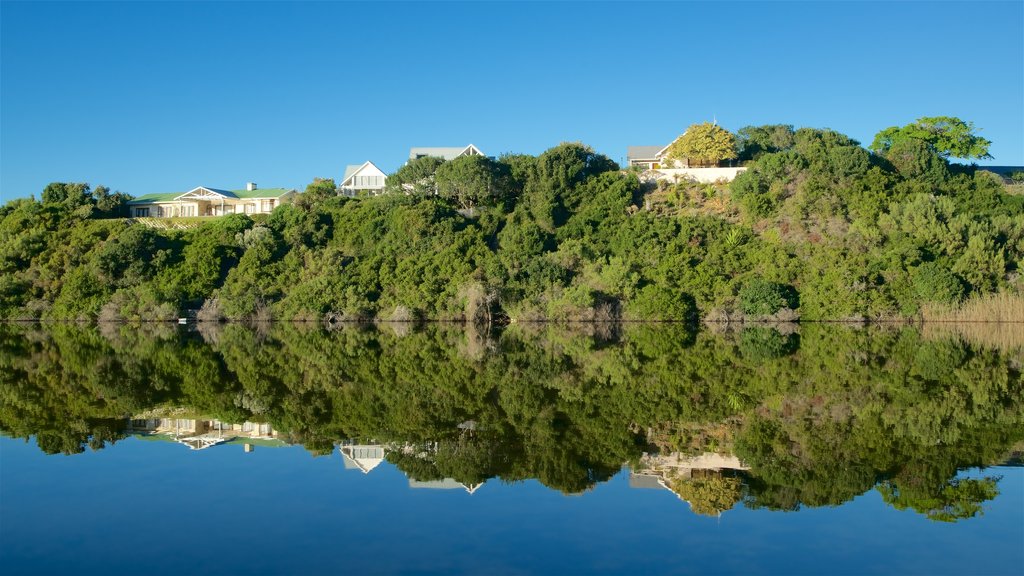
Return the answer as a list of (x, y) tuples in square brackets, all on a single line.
[(704, 175)]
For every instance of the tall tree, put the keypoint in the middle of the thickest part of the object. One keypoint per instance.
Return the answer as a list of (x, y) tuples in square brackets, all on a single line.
[(704, 144), (416, 176), (948, 136), (754, 141), (470, 180)]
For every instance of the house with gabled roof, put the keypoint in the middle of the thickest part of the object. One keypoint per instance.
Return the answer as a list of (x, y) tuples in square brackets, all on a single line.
[(363, 179), (656, 165), (447, 153), (207, 201)]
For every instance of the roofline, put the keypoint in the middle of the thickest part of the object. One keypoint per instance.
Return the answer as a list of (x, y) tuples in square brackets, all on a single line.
[(179, 196), (358, 170)]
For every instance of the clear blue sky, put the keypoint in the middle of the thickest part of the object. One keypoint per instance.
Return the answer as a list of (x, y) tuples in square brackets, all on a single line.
[(160, 97)]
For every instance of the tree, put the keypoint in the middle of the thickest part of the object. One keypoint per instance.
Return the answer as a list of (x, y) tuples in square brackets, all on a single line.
[(947, 136), (416, 176), (321, 188), (704, 144), (318, 190), (755, 141), (110, 204), (469, 180)]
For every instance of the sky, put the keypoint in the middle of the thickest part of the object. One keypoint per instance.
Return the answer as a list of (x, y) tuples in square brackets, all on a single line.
[(165, 96)]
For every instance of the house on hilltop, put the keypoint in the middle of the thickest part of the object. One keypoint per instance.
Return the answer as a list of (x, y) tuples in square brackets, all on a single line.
[(445, 153), (365, 178), (654, 160), (206, 201), (646, 157)]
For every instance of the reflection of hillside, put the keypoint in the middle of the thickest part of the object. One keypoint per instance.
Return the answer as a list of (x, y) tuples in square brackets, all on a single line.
[(818, 416)]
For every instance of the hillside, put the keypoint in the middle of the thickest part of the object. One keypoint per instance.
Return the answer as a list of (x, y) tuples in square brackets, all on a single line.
[(817, 228)]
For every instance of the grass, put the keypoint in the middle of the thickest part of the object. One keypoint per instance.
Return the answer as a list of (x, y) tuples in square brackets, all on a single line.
[(1002, 307), (994, 321), (1007, 338)]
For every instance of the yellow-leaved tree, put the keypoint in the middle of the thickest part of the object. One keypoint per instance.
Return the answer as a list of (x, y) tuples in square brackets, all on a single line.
[(704, 144)]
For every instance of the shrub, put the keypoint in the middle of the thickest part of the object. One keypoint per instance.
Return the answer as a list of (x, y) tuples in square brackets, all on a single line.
[(936, 283), (654, 302), (759, 297)]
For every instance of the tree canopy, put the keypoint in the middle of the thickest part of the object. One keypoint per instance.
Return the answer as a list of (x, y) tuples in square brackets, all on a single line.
[(471, 180), (947, 136), (703, 145)]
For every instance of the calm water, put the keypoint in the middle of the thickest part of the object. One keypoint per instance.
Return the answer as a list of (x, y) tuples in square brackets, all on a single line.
[(629, 450)]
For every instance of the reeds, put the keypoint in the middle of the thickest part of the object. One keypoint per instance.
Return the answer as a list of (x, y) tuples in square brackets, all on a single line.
[(993, 320), (1001, 307)]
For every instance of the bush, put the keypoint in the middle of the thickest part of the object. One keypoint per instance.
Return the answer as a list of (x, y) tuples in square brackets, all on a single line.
[(759, 297), (655, 302), (936, 283)]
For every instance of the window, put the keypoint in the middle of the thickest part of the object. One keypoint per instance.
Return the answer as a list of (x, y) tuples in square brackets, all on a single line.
[(142, 212)]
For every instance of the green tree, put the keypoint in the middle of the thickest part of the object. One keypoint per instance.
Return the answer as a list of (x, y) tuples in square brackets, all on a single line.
[(703, 144), (754, 141), (318, 190), (416, 176), (471, 180), (947, 136)]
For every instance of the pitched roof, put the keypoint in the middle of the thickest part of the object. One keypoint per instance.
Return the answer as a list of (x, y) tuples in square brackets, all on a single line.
[(642, 152), (262, 193), (159, 197), (353, 169), (448, 153), (236, 194), (350, 170)]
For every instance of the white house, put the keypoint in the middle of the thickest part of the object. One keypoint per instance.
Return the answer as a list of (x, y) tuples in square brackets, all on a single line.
[(207, 201), (655, 161), (442, 152), (362, 179)]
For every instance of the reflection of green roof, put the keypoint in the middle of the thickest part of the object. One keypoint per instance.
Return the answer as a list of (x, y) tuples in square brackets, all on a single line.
[(268, 442), (238, 194), (154, 437)]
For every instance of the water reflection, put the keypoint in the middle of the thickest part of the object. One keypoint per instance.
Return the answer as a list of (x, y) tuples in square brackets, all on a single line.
[(775, 419)]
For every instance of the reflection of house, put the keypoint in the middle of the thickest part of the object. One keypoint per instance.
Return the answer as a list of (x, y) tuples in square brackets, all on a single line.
[(200, 434), (206, 201), (363, 178), (446, 484), (445, 153), (364, 457), (669, 470)]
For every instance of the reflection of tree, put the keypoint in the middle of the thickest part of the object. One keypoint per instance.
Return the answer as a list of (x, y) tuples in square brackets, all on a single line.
[(949, 501), (710, 493), (819, 417)]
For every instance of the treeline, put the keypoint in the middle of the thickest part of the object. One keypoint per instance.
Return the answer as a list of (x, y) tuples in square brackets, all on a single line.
[(817, 228), (820, 416)]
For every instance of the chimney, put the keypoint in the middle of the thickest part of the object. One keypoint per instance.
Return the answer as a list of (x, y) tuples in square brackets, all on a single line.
[(250, 186)]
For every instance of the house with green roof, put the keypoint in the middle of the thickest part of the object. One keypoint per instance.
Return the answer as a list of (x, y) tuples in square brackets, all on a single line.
[(206, 201)]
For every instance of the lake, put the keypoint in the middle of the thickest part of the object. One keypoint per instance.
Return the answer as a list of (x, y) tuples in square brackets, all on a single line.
[(621, 449)]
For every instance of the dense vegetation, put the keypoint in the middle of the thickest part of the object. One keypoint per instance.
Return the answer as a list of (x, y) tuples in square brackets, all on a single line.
[(820, 415), (818, 227)]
